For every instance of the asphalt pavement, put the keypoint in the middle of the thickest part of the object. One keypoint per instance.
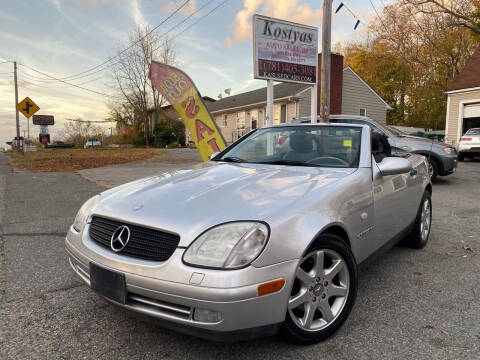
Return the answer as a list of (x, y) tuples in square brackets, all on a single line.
[(411, 304)]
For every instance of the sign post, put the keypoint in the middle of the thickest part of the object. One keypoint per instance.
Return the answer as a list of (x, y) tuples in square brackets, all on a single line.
[(287, 52)]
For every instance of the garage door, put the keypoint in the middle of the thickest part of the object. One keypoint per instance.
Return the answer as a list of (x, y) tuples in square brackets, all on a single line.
[(471, 111)]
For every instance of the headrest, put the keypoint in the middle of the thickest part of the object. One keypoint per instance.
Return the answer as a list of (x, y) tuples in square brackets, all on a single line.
[(301, 142), (380, 144)]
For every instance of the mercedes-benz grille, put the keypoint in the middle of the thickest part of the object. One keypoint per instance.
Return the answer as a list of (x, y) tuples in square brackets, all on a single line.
[(144, 243)]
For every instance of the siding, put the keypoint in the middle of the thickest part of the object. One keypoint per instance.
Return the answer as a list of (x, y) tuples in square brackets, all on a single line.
[(357, 95), (451, 129), (304, 103)]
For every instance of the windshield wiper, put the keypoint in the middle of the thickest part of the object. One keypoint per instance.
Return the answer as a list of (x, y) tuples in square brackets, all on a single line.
[(232, 159), (287, 162)]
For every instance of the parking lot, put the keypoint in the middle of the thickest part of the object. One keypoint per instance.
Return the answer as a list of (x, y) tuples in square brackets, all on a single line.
[(411, 304)]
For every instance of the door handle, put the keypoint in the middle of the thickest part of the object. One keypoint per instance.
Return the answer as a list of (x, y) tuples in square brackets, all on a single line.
[(413, 172)]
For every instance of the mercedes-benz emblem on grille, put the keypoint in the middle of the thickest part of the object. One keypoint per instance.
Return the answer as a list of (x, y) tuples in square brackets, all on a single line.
[(120, 238)]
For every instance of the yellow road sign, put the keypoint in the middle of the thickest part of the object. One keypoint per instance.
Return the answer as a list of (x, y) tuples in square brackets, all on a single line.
[(27, 107)]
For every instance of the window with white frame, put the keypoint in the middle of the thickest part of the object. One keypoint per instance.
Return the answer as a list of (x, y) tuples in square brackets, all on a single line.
[(363, 112), (241, 120), (225, 124)]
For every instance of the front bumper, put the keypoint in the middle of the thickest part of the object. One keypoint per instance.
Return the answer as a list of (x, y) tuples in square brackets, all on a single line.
[(170, 292), (449, 164)]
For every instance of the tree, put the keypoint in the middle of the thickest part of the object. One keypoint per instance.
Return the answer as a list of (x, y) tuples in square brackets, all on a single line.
[(409, 58), (77, 132), (461, 13), (130, 79)]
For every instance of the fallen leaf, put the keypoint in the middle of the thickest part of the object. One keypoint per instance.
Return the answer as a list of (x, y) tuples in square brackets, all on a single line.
[(465, 256), (445, 332), (469, 248)]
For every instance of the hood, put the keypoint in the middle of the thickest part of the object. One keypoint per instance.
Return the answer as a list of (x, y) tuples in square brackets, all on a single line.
[(188, 202), (424, 140)]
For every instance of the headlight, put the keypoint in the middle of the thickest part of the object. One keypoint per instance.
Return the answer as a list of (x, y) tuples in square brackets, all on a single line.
[(228, 246), (449, 150), (84, 213)]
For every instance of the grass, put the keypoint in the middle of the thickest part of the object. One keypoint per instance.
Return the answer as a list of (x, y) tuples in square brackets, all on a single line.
[(59, 160)]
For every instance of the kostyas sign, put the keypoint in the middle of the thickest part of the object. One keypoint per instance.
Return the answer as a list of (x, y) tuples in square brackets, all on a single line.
[(180, 92), (284, 51)]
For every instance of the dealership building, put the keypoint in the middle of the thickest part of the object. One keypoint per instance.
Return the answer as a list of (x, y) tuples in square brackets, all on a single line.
[(349, 94)]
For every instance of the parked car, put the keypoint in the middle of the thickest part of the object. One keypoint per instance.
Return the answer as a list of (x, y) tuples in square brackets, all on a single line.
[(58, 145), (92, 143), (469, 144), (442, 157), (260, 238)]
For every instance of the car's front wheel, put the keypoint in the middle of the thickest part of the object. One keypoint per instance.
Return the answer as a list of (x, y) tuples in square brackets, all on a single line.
[(323, 292), (418, 236)]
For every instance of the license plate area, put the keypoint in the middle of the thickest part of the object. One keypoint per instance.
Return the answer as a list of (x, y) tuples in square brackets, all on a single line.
[(108, 283)]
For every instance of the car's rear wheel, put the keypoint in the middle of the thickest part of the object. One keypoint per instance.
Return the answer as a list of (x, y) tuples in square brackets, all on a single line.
[(420, 233), (460, 157), (323, 292)]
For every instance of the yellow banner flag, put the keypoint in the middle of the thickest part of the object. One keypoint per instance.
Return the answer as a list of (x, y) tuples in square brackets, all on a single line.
[(180, 92)]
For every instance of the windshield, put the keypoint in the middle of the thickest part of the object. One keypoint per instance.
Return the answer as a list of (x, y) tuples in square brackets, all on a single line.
[(322, 146), (395, 131), (473, 132)]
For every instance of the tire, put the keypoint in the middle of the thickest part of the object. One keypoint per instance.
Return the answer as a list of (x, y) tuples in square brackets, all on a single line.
[(434, 168), (418, 236), (460, 157), (320, 291)]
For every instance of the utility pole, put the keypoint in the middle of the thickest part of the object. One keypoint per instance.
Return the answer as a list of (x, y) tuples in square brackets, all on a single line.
[(326, 50), (16, 103)]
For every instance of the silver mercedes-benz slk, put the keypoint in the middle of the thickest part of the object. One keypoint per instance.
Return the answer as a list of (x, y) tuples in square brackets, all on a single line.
[(265, 236)]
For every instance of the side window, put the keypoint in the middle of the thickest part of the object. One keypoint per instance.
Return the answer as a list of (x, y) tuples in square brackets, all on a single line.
[(363, 112)]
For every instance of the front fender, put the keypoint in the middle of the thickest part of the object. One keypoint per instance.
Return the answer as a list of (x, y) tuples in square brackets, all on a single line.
[(343, 204)]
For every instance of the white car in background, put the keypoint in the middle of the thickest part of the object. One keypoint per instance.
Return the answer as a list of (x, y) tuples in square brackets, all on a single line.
[(92, 143), (469, 144)]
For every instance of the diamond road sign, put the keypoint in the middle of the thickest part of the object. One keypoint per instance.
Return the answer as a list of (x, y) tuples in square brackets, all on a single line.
[(27, 107)]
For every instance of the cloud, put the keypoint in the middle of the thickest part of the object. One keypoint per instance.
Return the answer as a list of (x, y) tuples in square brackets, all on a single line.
[(84, 3), (188, 9), (292, 10), (136, 13)]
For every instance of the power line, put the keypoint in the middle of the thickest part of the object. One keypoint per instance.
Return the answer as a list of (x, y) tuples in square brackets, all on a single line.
[(36, 78), (63, 81), (73, 77), (379, 18), (200, 19)]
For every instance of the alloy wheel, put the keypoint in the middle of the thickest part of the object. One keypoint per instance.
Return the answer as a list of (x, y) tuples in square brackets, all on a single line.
[(425, 219), (320, 290)]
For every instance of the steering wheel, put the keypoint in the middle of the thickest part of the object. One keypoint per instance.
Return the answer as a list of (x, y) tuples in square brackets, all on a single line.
[(329, 159)]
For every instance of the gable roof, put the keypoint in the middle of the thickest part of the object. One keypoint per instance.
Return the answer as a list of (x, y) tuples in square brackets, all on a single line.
[(469, 77), (280, 91), (368, 86)]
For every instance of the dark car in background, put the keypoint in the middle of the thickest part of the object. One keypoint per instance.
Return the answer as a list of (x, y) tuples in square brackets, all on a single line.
[(58, 145), (442, 157)]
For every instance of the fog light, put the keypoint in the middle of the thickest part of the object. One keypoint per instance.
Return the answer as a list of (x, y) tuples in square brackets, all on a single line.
[(208, 316)]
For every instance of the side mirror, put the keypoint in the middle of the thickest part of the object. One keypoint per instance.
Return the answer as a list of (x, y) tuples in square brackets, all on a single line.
[(214, 154), (394, 166)]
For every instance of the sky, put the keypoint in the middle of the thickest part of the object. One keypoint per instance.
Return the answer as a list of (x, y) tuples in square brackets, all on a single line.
[(62, 38)]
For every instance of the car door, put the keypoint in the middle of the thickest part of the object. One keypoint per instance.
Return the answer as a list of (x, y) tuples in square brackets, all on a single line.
[(392, 206)]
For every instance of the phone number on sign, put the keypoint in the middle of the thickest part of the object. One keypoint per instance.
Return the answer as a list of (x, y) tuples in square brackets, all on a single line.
[(287, 71)]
